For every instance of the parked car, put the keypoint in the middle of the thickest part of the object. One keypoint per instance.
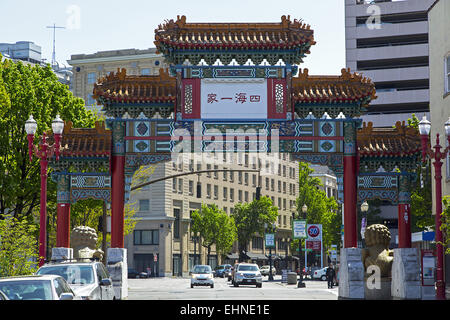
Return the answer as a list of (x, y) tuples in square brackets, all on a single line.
[(89, 280), (247, 273), (42, 287), (132, 273), (265, 270), (320, 274), (3, 296), (202, 275), (219, 271)]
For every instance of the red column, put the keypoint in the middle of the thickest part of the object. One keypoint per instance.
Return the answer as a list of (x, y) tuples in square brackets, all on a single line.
[(43, 208), (440, 282), (404, 225), (117, 201), (63, 225), (350, 200)]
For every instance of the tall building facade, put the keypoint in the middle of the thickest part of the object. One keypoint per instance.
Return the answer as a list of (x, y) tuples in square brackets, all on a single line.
[(22, 50), (387, 41), (87, 68), (163, 209)]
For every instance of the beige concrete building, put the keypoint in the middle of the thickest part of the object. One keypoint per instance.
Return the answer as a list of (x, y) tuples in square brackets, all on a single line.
[(87, 68), (439, 35), (164, 209)]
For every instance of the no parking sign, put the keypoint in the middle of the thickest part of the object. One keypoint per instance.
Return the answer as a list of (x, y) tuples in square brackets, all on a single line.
[(314, 232)]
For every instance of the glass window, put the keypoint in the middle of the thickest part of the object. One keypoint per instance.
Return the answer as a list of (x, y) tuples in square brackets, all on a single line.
[(145, 72), (91, 78), (144, 205), (176, 223), (146, 237)]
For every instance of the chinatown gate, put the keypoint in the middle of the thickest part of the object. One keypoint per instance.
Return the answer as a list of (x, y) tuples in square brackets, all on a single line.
[(236, 87)]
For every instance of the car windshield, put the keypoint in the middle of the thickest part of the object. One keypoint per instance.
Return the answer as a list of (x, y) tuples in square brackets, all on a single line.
[(73, 274), (27, 289), (248, 268), (202, 269)]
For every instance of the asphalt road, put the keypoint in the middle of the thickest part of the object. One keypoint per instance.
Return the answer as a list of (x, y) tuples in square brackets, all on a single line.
[(169, 288)]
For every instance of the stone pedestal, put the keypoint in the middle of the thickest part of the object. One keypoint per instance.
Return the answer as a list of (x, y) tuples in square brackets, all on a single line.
[(118, 270), (406, 274), (351, 274), (380, 290), (292, 278), (61, 254)]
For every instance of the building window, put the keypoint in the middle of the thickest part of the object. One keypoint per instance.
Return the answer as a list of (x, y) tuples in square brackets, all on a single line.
[(144, 205), (216, 192), (191, 187), (208, 191), (91, 78), (447, 74), (225, 193), (145, 72), (257, 243), (146, 237), (176, 223), (90, 100), (231, 194)]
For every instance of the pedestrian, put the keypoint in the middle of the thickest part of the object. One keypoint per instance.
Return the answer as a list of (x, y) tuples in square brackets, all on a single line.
[(331, 274)]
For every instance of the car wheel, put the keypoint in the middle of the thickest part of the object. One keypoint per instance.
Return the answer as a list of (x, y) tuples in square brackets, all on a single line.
[(212, 286), (323, 278), (235, 284), (192, 285), (259, 285)]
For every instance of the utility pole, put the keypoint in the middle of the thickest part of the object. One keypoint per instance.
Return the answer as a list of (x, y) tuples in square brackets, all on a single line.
[(54, 27)]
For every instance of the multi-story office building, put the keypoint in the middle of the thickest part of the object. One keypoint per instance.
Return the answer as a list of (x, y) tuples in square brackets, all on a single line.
[(164, 209), (387, 41), (22, 50), (88, 68), (328, 180)]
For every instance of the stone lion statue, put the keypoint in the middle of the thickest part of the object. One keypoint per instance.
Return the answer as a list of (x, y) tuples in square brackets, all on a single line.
[(84, 242), (378, 237)]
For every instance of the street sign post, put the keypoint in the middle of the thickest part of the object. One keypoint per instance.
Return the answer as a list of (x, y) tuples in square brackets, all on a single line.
[(299, 229)]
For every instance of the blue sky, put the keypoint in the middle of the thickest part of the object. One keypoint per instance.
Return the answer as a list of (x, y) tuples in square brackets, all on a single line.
[(98, 25)]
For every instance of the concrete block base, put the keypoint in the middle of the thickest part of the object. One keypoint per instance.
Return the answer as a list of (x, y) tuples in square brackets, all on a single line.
[(406, 275), (118, 269), (382, 291), (351, 274), (61, 254)]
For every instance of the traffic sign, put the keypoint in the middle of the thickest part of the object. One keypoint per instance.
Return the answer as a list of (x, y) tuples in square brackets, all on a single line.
[(270, 240)]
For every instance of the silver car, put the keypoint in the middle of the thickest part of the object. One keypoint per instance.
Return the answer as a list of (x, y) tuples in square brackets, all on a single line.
[(89, 280), (202, 275), (45, 287), (247, 273)]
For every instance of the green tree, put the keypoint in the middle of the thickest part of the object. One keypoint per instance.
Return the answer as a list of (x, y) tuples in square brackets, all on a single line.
[(445, 224), (18, 247), (30, 90), (214, 227), (421, 196), (321, 209), (250, 219)]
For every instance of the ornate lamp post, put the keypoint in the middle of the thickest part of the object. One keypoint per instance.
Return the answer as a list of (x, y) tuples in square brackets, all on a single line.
[(43, 152), (300, 283), (437, 155)]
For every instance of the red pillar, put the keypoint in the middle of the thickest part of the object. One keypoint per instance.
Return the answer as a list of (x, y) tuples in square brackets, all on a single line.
[(117, 201), (440, 282), (43, 207), (350, 200), (63, 225), (404, 225)]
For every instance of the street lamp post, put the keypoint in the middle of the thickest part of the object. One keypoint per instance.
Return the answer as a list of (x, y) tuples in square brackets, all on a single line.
[(44, 152), (272, 230), (437, 155), (300, 283)]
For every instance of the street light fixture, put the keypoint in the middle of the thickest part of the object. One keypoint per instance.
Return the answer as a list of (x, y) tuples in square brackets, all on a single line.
[(437, 155), (44, 152)]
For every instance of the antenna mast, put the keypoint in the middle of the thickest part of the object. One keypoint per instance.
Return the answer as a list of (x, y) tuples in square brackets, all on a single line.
[(54, 27)]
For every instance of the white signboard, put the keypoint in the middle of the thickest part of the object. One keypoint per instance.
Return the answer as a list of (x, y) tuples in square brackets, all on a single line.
[(299, 229), (244, 98)]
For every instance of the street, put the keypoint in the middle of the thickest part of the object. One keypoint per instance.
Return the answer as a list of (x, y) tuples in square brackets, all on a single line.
[(179, 289)]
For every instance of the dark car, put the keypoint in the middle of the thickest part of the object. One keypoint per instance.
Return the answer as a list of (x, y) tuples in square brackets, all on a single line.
[(132, 273), (221, 270)]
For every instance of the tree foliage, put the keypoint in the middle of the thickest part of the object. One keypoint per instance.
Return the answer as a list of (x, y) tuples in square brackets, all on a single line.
[(30, 90), (214, 227), (321, 209), (250, 219), (18, 247)]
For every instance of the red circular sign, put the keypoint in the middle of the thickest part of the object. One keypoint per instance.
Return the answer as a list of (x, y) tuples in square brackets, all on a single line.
[(313, 231)]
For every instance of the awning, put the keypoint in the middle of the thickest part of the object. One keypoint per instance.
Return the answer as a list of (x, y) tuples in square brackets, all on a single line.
[(256, 256), (233, 256)]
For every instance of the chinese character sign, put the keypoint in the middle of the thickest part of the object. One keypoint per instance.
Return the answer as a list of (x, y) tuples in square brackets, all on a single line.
[(225, 99)]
